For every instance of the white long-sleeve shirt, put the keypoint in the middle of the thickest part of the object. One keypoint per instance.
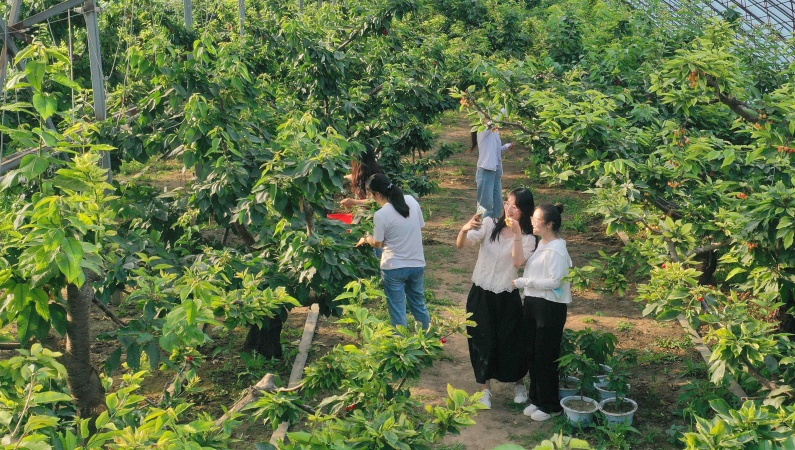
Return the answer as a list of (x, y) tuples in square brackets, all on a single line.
[(544, 272), (490, 148)]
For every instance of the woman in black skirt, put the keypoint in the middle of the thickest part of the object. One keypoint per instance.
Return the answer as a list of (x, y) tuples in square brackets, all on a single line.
[(495, 346)]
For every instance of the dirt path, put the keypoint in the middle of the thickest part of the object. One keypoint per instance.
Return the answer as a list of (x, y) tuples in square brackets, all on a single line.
[(448, 276)]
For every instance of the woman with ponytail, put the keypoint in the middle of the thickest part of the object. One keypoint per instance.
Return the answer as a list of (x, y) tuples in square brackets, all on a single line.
[(397, 230), (546, 298)]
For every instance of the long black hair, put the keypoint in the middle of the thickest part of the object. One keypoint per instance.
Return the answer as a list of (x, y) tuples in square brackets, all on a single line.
[(474, 138), (381, 184), (526, 204), (361, 171)]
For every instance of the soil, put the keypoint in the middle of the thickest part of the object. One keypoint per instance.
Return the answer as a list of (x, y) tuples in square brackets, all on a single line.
[(617, 408), (583, 406)]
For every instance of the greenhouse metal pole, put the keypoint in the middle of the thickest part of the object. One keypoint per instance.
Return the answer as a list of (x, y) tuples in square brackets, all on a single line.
[(97, 77), (241, 10), (8, 45), (188, 14)]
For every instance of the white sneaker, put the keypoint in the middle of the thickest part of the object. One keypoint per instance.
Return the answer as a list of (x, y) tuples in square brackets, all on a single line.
[(540, 416), (486, 399), (520, 393), (530, 409)]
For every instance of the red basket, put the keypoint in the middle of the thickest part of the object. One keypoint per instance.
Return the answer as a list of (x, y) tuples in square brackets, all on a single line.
[(342, 217)]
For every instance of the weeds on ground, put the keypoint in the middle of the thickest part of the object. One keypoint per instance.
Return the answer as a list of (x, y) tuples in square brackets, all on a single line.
[(617, 436), (625, 326), (674, 343)]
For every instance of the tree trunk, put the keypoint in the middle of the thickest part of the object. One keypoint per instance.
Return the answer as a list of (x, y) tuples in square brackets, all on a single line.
[(244, 234), (266, 340), (83, 378), (709, 263)]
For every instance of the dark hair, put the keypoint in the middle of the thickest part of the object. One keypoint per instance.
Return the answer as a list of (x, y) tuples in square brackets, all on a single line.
[(474, 140), (552, 214), (526, 204), (381, 184), (361, 171)]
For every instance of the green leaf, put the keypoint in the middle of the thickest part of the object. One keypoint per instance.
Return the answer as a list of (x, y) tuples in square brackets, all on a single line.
[(38, 422), (42, 302), (51, 397), (58, 318), (736, 271), (668, 314), (152, 350), (45, 105), (102, 420), (33, 165), (71, 184), (73, 251), (113, 361), (24, 325), (35, 71), (134, 356), (718, 372), (720, 406), (66, 81)]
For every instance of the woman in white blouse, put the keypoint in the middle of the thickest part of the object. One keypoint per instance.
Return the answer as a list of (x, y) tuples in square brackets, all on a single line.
[(546, 296), (495, 304)]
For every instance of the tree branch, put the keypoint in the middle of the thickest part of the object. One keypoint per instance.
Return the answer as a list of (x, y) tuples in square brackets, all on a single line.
[(672, 250), (705, 249), (751, 370), (740, 108), (649, 227), (501, 122), (670, 209), (108, 312)]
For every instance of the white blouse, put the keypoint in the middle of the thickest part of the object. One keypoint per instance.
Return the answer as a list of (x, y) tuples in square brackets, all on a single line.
[(545, 271), (494, 269)]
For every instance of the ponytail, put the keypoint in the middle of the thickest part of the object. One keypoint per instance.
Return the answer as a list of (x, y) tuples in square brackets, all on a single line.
[(474, 139), (394, 195)]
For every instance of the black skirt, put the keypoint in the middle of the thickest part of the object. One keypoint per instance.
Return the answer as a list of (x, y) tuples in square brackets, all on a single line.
[(497, 345)]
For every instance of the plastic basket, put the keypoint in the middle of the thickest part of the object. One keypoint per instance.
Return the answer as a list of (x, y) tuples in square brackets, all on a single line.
[(342, 217)]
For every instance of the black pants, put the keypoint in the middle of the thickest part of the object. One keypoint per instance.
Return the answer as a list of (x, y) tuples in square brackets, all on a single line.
[(544, 321), (497, 348)]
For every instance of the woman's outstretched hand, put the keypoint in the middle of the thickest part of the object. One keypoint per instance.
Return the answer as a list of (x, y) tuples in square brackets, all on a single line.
[(473, 224), (350, 202)]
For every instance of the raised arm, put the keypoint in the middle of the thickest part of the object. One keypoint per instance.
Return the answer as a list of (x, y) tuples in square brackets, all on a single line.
[(350, 202), (473, 224)]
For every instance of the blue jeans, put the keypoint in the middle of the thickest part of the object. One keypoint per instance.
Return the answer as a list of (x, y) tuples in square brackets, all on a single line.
[(490, 191), (406, 283)]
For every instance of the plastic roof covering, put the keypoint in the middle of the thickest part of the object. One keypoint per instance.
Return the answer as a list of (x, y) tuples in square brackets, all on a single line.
[(774, 17), (768, 24)]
